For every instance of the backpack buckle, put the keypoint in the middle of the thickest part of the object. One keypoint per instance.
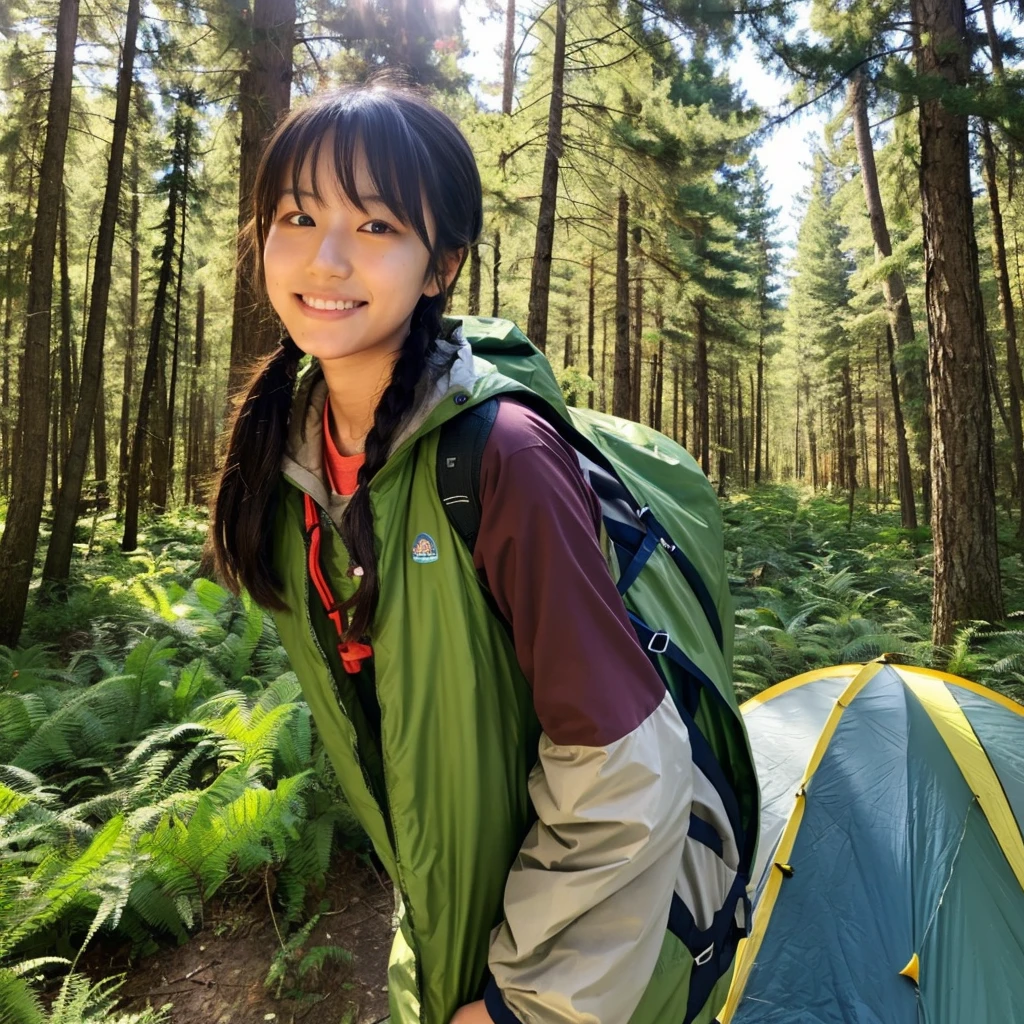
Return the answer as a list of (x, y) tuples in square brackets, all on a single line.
[(658, 643), (700, 961)]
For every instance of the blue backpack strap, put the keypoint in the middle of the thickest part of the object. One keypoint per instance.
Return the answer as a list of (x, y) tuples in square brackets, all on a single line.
[(460, 451)]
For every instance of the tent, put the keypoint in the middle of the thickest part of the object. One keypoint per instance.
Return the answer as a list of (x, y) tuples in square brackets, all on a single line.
[(889, 882)]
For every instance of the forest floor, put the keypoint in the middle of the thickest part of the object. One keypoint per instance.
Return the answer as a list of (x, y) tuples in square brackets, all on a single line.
[(218, 977)]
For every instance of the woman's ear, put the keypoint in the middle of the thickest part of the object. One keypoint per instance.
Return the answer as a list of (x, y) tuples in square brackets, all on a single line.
[(452, 265)]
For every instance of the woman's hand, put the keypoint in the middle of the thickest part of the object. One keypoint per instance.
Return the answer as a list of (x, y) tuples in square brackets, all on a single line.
[(472, 1013)]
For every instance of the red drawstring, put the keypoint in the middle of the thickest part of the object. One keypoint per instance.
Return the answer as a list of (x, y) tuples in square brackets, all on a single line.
[(352, 653)]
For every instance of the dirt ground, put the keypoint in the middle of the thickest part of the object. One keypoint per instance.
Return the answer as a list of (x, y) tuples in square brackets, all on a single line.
[(218, 976)]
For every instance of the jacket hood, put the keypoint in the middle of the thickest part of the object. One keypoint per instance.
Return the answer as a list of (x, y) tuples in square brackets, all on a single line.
[(450, 368)]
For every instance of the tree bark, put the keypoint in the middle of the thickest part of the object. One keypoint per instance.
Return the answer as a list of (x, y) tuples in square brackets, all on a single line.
[(179, 285), (508, 58), (591, 298), (967, 581), (264, 95), (129, 351), (130, 538), (474, 279), (496, 275), (902, 453), (741, 430), (58, 555), (897, 305), (197, 410), (66, 410), (703, 410), (21, 531), (1001, 268), (540, 277), (99, 442), (759, 405), (622, 393)]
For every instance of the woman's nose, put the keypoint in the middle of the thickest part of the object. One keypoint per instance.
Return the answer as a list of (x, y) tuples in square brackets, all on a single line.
[(332, 257)]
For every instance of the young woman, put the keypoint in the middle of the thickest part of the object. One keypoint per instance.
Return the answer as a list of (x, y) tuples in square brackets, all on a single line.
[(497, 729)]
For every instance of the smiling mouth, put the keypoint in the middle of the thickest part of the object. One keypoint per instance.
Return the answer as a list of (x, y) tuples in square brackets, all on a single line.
[(329, 304)]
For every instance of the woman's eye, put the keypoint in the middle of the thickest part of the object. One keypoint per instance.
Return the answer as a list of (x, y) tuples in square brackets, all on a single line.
[(290, 219), (377, 227)]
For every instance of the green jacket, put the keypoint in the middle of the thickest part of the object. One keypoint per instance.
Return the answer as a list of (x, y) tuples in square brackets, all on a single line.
[(474, 812)]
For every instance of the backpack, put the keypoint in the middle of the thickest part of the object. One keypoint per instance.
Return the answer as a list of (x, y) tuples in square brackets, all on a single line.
[(664, 524)]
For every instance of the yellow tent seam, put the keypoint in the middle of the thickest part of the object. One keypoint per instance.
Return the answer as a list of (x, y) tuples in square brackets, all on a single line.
[(748, 949), (958, 735)]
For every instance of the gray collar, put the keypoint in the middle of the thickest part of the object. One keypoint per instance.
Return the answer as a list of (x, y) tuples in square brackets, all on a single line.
[(303, 460)]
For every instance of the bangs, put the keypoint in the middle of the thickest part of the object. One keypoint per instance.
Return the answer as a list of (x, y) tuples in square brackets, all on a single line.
[(368, 122)]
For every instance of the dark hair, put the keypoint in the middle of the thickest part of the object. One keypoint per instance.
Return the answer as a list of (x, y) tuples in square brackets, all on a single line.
[(414, 153)]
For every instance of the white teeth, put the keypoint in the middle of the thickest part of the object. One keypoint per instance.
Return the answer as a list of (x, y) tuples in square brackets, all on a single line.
[(328, 303)]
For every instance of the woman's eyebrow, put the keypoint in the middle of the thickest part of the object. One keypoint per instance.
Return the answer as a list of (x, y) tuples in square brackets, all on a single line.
[(302, 193)]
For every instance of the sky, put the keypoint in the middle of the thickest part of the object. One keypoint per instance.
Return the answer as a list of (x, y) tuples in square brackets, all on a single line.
[(785, 155)]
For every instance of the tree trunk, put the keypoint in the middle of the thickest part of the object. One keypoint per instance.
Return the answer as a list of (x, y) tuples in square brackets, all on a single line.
[(812, 436), (622, 394), (866, 482), (66, 408), (759, 407), (604, 360), (878, 424), (722, 444), (158, 437), (264, 95), (540, 278), (703, 411), (508, 58), (638, 325), (21, 531), (1002, 271), (58, 555), (796, 434), (659, 383), (474, 279), (967, 583), (179, 284), (99, 443), (901, 322), (496, 275), (591, 298), (129, 351), (197, 410), (130, 539)]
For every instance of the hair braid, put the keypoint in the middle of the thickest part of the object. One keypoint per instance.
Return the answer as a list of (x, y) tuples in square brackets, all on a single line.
[(240, 534), (394, 405)]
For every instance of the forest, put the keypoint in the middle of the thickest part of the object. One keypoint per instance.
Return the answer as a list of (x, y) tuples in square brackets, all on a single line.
[(855, 397)]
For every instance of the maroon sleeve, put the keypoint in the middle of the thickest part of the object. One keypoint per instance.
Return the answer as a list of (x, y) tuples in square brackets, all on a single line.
[(538, 552)]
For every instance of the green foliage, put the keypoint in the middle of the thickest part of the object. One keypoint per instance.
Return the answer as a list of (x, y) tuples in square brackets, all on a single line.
[(809, 594), (294, 962), (129, 801), (79, 1001)]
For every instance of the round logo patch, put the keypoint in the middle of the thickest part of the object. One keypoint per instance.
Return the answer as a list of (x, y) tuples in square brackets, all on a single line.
[(424, 549)]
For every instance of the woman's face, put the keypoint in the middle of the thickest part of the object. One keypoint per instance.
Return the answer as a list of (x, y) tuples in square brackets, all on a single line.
[(368, 267)]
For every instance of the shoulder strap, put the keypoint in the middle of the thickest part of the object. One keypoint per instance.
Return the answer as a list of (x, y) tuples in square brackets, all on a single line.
[(460, 451)]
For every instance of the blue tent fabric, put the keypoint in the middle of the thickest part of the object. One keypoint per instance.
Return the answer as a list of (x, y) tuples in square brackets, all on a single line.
[(788, 728), (899, 903), (829, 956)]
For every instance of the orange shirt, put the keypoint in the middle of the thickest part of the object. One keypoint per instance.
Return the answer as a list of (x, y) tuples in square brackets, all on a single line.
[(342, 470)]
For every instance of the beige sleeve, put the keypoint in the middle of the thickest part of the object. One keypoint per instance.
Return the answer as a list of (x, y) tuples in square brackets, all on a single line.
[(587, 900)]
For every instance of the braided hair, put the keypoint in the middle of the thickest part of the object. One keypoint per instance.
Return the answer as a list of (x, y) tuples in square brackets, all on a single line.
[(395, 403)]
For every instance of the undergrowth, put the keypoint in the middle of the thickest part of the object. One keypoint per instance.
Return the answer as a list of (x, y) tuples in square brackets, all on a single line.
[(155, 749)]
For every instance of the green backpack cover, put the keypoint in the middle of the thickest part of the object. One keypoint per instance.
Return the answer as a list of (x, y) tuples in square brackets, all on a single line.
[(665, 526)]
